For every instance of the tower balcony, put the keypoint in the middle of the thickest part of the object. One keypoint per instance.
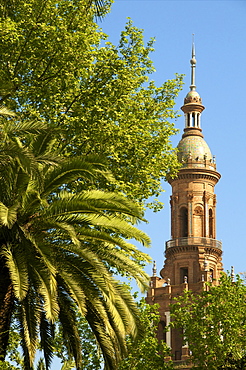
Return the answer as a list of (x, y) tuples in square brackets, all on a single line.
[(194, 240), (209, 164)]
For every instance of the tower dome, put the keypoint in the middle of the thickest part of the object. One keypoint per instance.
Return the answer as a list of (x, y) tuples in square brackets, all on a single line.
[(194, 148), (193, 97)]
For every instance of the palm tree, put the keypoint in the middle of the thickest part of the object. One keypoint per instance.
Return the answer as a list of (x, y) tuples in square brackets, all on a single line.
[(59, 248)]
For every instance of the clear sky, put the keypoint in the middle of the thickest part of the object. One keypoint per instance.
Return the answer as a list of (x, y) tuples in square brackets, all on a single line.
[(220, 38)]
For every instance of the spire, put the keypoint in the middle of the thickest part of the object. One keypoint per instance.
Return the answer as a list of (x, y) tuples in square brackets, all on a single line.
[(193, 66), (193, 97), (193, 107), (193, 149)]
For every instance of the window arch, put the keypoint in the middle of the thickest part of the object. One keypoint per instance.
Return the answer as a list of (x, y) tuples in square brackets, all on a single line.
[(193, 120), (198, 221), (183, 222)]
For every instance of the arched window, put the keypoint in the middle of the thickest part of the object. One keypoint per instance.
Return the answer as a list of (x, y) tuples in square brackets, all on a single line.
[(211, 273), (211, 222), (193, 120), (183, 275), (198, 221), (183, 222)]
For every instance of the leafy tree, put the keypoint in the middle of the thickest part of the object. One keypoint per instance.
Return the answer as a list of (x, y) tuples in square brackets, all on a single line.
[(57, 248), (214, 324), (146, 352), (60, 243), (56, 64)]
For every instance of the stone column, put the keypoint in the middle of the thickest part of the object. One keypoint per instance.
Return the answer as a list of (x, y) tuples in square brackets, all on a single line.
[(168, 333)]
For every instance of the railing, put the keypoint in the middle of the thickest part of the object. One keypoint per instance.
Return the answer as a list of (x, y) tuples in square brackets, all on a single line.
[(196, 240), (197, 163)]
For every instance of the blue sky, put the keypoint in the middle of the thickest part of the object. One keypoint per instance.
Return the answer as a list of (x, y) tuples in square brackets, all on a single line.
[(220, 38)]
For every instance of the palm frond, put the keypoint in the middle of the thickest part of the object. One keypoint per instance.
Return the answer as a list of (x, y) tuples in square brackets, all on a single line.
[(45, 284), (70, 332), (111, 350), (18, 270), (41, 272), (71, 170), (44, 142), (113, 202), (74, 288), (75, 212), (18, 128), (8, 215), (46, 340), (21, 158), (29, 317), (124, 261), (84, 273), (5, 112)]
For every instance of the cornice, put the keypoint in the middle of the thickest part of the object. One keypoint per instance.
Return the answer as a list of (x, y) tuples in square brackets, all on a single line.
[(188, 248), (196, 173)]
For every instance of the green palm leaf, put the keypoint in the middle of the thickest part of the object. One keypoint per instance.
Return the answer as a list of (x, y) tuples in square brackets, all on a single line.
[(18, 270), (23, 127), (29, 317), (47, 332), (67, 318), (5, 112), (71, 170), (68, 365), (8, 215)]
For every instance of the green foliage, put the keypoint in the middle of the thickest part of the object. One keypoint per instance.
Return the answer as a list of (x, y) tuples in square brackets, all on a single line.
[(214, 324), (81, 103), (5, 365), (146, 352), (14, 346), (55, 64)]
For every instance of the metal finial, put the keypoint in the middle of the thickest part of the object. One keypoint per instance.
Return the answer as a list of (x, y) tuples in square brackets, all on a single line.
[(193, 65), (154, 269), (193, 46)]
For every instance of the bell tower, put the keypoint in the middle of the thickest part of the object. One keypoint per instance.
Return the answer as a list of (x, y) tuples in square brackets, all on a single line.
[(193, 255)]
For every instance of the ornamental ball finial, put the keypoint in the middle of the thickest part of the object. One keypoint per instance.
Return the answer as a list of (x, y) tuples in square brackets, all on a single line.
[(193, 61)]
